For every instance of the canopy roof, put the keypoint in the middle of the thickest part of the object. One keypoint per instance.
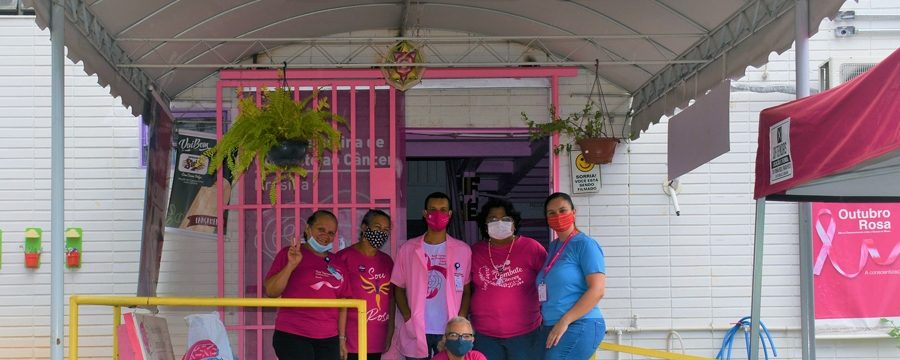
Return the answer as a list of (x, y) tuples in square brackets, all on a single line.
[(662, 52), (839, 145)]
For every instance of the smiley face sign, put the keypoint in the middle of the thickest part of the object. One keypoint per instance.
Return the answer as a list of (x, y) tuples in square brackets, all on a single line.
[(581, 164), (585, 175)]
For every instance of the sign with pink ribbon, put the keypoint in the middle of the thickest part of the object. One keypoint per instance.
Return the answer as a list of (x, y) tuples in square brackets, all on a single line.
[(855, 267)]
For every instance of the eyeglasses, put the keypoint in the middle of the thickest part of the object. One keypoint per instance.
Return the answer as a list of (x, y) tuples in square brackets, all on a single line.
[(494, 219), (457, 336)]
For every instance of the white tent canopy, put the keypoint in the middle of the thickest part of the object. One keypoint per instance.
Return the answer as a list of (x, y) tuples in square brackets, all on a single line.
[(662, 52)]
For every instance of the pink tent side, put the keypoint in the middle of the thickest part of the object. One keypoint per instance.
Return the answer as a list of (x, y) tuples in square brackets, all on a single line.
[(831, 133)]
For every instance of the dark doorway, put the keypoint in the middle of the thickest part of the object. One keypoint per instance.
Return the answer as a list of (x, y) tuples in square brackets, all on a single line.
[(471, 166)]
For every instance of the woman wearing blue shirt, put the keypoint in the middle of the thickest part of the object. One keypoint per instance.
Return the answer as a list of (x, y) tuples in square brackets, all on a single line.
[(570, 286)]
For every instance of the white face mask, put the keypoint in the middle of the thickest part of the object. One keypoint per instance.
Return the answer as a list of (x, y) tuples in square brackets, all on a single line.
[(500, 229)]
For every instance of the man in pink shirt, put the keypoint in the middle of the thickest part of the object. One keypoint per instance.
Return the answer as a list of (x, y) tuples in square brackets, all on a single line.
[(431, 274)]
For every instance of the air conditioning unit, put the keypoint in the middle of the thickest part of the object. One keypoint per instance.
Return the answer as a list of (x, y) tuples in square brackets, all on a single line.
[(838, 70)]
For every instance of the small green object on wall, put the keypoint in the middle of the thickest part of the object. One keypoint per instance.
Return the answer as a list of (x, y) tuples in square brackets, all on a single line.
[(33, 247), (73, 247)]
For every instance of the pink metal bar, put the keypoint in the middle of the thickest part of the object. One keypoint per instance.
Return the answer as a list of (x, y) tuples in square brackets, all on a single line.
[(372, 179), (554, 158), (315, 164), (297, 181), (294, 206), (249, 327), (372, 74), (220, 203), (353, 196), (393, 159), (260, 190), (335, 158), (442, 131)]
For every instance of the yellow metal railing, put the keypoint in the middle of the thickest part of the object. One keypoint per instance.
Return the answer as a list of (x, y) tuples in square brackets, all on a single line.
[(117, 302), (647, 352), (657, 354)]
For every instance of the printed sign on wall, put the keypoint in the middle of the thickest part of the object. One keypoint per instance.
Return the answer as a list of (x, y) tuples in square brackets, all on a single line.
[(193, 203), (585, 175), (855, 267)]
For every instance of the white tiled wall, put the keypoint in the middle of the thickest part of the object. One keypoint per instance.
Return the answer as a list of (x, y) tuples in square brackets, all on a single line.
[(688, 273)]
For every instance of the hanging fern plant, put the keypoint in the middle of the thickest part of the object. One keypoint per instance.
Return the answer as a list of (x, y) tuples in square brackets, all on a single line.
[(256, 130)]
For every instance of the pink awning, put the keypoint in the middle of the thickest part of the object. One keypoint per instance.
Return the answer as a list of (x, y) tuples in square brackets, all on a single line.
[(831, 133)]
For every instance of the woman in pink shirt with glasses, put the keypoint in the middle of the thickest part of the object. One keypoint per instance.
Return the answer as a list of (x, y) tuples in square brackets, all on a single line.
[(505, 310)]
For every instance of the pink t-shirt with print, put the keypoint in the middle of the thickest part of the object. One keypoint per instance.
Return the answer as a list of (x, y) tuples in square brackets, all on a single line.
[(471, 355), (368, 278), (504, 296), (314, 278)]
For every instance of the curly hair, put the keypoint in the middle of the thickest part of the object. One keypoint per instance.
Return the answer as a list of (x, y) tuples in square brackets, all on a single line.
[(481, 218)]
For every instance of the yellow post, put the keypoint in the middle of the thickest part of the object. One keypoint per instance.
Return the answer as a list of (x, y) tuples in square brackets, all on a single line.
[(73, 327), (117, 320), (361, 329), (118, 301)]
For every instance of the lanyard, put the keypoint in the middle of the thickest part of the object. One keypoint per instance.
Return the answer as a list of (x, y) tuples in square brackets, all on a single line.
[(558, 253)]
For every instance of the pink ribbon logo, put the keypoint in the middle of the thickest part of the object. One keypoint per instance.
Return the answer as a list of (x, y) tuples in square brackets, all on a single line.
[(867, 250)]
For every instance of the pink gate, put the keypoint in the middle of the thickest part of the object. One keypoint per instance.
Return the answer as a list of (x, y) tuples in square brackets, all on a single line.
[(364, 174)]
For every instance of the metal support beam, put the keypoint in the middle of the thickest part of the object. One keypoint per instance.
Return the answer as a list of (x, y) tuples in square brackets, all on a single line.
[(84, 21), (756, 293), (348, 52), (754, 15), (57, 178), (801, 65), (807, 292)]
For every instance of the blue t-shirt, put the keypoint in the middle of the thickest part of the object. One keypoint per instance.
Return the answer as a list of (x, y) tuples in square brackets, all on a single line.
[(566, 283)]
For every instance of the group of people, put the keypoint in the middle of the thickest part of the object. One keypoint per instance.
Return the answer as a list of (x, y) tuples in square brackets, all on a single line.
[(503, 298)]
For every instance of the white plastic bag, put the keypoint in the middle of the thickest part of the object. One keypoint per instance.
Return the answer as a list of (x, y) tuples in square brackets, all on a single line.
[(207, 338)]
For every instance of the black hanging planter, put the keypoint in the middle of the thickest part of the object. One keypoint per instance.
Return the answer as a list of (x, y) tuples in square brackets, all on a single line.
[(288, 153)]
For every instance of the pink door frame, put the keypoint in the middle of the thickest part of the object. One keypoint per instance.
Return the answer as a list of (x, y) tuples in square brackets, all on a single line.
[(334, 78)]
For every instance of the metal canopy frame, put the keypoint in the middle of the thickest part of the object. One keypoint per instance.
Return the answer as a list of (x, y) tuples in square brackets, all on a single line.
[(665, 68)]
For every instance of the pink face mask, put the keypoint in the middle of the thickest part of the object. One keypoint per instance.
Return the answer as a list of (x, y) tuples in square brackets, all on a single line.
[(437, 220)]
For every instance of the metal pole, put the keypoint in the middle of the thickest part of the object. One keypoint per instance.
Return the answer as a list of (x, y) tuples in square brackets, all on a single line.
[(57, 179), (807, 304), (801, 65), (756, 297), (801, 52)]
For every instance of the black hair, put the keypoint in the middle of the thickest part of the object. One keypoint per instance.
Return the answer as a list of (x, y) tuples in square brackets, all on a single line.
[(493, 203), (437, 195), (558, 195), (371, 214), (315, 216)]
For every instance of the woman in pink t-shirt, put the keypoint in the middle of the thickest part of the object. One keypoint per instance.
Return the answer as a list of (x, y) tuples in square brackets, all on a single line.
[(369, 279), (307, 270), (505, 310), (457, 342)]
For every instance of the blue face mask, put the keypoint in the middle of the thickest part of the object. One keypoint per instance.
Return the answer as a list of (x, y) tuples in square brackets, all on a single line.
[(316, 246), (459, 347)]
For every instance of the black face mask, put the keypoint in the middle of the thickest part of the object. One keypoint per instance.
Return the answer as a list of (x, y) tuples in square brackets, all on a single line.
[(376, 238)]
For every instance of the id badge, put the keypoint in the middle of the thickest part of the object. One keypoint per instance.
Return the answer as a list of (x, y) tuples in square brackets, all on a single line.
[(335, 273), (458, 280), (542, 292)]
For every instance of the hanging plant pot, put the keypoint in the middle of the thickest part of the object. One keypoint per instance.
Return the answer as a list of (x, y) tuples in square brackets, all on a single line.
[(288, 153), (32, 260), (598, 150), (73, 259)]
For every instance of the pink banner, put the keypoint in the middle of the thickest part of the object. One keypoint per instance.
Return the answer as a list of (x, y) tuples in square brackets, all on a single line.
[(855, 267)]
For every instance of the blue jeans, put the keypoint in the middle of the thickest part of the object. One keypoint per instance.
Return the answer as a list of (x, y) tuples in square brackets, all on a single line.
[(523, 347), (579, 342)]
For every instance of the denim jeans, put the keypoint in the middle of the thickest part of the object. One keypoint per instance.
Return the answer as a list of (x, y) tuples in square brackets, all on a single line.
[(523, 347), (579, 342)]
